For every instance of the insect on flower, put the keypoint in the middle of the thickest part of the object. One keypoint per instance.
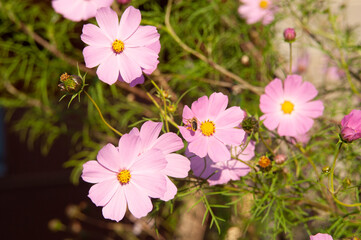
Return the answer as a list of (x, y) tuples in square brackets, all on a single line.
[(193, 124)]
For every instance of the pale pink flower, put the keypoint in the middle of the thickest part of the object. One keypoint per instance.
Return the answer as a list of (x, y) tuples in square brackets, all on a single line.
[(178, 166), (123, 176), (351, 126), (301, 64), (223, 172), (215, 127), (257, 11), (321, 236), (123, 50), (77, 10), (288, 106)]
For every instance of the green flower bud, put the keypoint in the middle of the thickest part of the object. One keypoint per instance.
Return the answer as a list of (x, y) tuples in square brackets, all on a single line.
[(70, 84), (250, 124)]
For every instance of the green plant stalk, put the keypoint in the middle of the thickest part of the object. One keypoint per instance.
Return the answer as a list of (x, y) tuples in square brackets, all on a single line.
[(290, 69), (337, 152), (101, 115), (165, 115)]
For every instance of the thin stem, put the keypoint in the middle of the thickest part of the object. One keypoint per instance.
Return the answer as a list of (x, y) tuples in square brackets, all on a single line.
[(101, 115), (339, 145), (217, 67), (290, 69), (264, 142), (165, 115)]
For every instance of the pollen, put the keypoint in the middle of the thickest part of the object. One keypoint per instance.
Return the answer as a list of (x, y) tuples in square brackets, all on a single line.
[(264, 162), (287, 107), (208, 128), (118, 46), (64, 77), (124, 176), (263, 4)]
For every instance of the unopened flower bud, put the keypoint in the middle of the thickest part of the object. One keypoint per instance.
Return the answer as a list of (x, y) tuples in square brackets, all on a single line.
[(123, 1), (289, 35), (70, 84), (56, 225), (346, 182), (250, 124), (326, 170), (350, 126), (280, 158), (172, 108)]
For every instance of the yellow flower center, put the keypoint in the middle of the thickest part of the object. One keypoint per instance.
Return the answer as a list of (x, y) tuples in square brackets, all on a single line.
[(287, 107), (263, 4), (208, 128), (118, 46), (124, 176)]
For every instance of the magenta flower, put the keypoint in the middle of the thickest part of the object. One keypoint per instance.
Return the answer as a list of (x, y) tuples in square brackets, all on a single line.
[(124, 177), (321, 236), (77, 10), (123, 50), (178, 166), (257, 11), (288, 106), (223, 172), (215, 127), (351, 126)]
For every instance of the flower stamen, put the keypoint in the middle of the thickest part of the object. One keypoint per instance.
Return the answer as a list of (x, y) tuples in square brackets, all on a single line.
[(118, 46), (263, 4), (124, 176), (287, 107), (208, 128)]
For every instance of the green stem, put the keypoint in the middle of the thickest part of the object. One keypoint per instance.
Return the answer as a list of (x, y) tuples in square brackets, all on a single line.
[(172, 33), (264, 142), (165, 115), (101, 115), (337, 152), (290, 70)]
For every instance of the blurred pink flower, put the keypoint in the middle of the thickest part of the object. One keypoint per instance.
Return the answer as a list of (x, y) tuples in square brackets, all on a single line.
[(257, 11), (121, 49), (223, 172), (215, 127), (301, 64), (334, 73), (178, 166), (288, 107), (123, 1), (321, 236), (124, 177), (77, 10), (351, 126)]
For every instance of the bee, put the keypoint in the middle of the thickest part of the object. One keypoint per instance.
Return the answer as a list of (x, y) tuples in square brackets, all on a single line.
[(193, 124)]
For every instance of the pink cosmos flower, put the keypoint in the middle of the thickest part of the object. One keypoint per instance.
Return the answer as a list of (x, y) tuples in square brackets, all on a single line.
[(210, 127), (123, 176), (77, 10), (178, 166), (288, 106), (351, 126), (123, 50), (223, 172), (257, 11), (321, 236)]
